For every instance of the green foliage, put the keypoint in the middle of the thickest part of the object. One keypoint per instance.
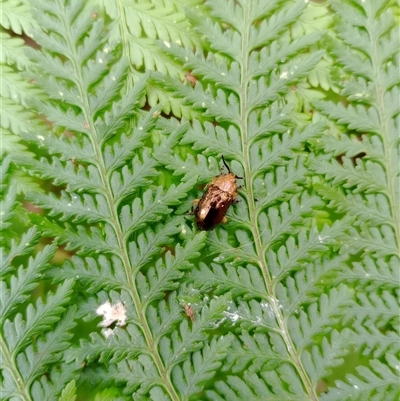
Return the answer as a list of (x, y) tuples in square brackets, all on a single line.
[(15, 93), (138, 25), (34, 333), (359, 162), (119, 113)]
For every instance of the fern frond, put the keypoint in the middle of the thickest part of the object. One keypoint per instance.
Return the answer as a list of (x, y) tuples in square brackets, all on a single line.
[(377, 343), (69, 393), (11, 144), (33, 338), (17, 119), (194, 373), (137, 26), (317, 317), (242, 89), (372, 274), (161, 279), (151, 208), (245, 281), (257, 386), (253, 352), (306, 284), (190, 338), (15, 88), (362, 156), (264, 306), (358, 205), (112, 205), (379, 381), (15, 16), (16, 94), (321, 359), (22, 285), (12, 51)]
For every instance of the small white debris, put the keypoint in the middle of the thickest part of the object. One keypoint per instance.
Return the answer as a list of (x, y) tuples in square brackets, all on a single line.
[(268, 309), (167, 44), (100, 61), (108, 332), (40, 137), (233, 317), (112, 313), (284, 75)]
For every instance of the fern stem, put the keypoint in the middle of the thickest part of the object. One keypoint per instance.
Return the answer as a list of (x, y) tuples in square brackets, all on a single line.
[(274, 302), (384, 118), (9, 361)]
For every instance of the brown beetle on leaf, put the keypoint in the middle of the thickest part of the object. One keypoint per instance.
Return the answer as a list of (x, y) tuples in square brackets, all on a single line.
[(219, 195)]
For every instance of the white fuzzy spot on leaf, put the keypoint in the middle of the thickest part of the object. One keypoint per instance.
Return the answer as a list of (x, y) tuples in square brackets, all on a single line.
[(112, 313)]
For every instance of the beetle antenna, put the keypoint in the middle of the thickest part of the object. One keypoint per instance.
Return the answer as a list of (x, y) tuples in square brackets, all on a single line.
[(226, 165)]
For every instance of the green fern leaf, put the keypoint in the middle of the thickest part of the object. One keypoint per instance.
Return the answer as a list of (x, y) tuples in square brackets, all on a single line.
[(380, 382), (108, 206), (260, 249), (33, 338), (366, 48), (69, 393), (15, 16), (265, 306), (21, 287), (204, 363), (138, 26)]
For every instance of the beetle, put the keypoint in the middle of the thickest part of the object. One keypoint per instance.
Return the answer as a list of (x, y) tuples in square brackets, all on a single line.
[(220, 194)]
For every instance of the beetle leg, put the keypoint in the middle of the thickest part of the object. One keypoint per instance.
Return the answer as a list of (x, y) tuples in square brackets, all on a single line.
[(195, 202)]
